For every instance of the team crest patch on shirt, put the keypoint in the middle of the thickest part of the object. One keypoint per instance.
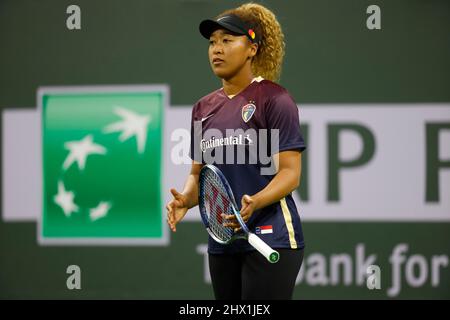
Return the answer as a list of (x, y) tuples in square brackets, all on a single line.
[(247, 111), (264, 229)]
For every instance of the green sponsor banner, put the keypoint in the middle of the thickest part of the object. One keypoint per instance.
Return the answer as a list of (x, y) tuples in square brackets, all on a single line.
[(336, 259), (102, 165)]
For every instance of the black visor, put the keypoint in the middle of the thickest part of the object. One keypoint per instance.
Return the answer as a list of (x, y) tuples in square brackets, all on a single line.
[(231, 23)]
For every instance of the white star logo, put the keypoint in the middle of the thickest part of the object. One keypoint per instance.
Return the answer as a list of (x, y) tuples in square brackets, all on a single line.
[(65, 200), (79, 150), (132, 124), (100, 211)]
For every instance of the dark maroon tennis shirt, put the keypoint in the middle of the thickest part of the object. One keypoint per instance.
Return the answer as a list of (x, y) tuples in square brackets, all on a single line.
[(239, 135)]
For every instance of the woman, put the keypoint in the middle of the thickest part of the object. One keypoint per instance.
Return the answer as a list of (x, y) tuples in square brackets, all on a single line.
[(246, 49)]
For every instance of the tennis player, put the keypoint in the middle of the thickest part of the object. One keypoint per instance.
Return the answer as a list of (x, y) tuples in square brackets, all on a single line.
[(246, 50)]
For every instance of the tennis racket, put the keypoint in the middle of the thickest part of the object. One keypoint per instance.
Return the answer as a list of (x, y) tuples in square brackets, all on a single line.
[(216, 198)]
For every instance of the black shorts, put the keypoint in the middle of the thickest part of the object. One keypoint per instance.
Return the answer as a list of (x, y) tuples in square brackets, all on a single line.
[(249, 276)]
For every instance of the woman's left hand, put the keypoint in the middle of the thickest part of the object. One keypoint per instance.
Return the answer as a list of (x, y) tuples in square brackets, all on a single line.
[(248, 207)]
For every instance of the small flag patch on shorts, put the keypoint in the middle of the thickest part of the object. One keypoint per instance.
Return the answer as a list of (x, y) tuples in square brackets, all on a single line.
[(264, 229)]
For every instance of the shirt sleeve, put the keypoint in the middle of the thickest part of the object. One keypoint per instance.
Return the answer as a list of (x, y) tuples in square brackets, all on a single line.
[(282, 114), (196, 136)]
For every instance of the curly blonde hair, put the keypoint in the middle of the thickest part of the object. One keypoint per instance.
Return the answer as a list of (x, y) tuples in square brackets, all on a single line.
[(268, 61)]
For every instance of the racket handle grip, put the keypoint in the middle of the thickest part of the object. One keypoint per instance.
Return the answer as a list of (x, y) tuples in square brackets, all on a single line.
[(271, 255)]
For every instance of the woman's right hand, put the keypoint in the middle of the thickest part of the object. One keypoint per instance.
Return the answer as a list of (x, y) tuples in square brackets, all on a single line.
[(176, 209)]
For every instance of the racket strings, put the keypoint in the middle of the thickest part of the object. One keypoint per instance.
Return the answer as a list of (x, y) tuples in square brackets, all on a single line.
[(216, 204)]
